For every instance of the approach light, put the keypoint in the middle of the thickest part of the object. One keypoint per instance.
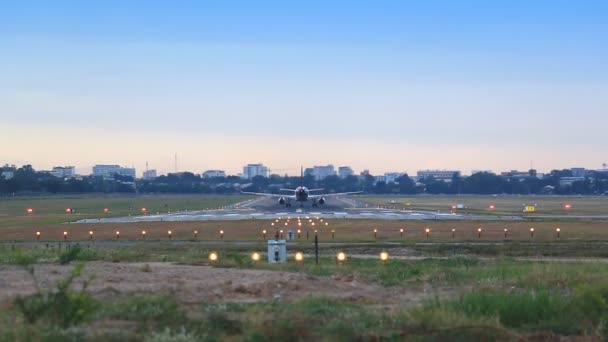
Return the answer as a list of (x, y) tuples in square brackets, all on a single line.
[(255, 256), (341, 257), (213, 256), (567, 206), (29, 210), (68, 210), (492, 206), (105, 210), (299, 257), (169, 233), (38, 235), (384, 257)]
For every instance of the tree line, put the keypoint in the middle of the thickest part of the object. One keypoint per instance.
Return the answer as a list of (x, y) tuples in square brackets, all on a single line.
[(26, 180)]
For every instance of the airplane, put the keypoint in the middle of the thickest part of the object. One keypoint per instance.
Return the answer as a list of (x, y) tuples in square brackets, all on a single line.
[(302, 194)]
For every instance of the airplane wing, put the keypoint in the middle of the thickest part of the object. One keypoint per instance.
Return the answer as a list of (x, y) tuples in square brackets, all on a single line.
[(292, 190), (319, 189), (335, 194), (268, 195)]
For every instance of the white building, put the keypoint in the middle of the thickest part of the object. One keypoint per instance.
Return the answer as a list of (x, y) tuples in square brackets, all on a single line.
[(64, 171), (108, 171), (392, 176), (321, 172), (345, 171), (568, 181), (443, 175), (7, 174), (150, 174), (252, 170), (214, 173)]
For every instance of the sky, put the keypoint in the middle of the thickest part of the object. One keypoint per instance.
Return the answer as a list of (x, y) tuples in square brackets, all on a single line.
[(379, 85)]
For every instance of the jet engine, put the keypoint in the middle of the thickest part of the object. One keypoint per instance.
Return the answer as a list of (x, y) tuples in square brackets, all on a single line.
[(281, 200), (322, 200)]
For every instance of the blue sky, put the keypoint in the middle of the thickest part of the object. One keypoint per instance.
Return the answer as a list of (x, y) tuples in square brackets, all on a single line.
[(384, 85)]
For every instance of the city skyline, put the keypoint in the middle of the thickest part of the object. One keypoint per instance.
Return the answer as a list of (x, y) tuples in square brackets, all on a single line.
[(140, 173), (398, 86)]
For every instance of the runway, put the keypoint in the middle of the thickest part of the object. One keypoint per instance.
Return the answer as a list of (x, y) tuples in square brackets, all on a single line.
[(265, 208)]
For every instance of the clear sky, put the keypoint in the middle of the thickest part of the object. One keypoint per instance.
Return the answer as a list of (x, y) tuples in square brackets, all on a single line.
[(381, 85)]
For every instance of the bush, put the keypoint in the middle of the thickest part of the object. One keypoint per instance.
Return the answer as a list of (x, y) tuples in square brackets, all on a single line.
[(61, 307)]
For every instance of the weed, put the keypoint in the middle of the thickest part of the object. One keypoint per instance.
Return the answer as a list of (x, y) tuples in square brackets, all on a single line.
[(61, 307)]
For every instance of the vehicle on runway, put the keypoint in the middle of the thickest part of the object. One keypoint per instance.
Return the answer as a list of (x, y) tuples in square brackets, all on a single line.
[(302, 194)]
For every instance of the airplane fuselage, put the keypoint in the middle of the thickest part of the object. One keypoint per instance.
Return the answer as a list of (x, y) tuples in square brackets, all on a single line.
[(301, 194)]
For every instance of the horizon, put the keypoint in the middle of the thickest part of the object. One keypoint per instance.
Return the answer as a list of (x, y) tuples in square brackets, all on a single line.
[(385, 86)]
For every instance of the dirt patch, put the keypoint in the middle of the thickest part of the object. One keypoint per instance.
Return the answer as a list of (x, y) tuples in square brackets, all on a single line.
[(205, 284)]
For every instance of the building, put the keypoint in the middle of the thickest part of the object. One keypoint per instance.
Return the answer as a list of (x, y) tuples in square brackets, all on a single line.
[(64, 171), (108, 171), (150, 174), (578, 172), (568, 181), (345, 171), (7, 171), (252, 170), (322, 172), (214, 174), (392, 176), (443, 175)]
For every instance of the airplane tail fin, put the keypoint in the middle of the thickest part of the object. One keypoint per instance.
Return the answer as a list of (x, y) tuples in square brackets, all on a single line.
[(302, 175)]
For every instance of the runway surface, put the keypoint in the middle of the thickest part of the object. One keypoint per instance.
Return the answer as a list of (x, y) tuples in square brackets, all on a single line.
[(265, 208)]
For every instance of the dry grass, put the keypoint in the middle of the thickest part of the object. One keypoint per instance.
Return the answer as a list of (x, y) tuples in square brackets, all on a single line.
[(345, 231)]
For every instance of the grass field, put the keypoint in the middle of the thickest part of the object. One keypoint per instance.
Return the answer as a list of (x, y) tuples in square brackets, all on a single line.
[(469, 286), (503, 205), (52, 209), (459, 298)]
